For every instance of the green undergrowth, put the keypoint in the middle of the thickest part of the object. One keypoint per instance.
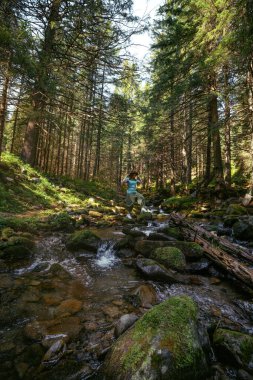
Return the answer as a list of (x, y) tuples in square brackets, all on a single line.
[(23, 188)]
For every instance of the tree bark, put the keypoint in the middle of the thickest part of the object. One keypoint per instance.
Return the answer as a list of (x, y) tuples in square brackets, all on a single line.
[(227, 131), (29, 150), (3, 103)]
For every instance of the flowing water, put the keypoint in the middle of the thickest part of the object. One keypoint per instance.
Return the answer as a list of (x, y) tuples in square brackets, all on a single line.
[(59, 309)]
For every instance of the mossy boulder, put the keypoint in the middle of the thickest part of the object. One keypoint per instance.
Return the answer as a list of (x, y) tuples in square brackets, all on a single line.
[(191, 250), (16, 248), (235, 348), (170, 257), (146, 247), (84, 239), (144, 217), (236, 209), (172, 232), (229, 221), (243, 230), (163, 344), (153, 270), (7, 233)]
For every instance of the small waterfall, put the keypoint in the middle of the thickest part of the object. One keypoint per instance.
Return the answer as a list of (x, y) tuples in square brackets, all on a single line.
[(106, 255)]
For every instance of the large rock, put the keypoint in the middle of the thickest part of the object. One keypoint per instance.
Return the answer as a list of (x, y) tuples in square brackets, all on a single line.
[(235, 348), (156, 271), (243, 229), (236, 209), (83, 240), (173, 232), (146, 294), (124, 323), (146, 247), (191, 250), (163, 344), (16, 248), (170, 257)]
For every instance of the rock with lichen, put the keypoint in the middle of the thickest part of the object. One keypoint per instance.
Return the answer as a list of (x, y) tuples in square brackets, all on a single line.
[(170, 257), (163, 344), (84, 239), (234, 347)]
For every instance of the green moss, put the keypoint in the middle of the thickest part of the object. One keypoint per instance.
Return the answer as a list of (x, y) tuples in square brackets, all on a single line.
[(239, 344), (82, 239), (172, 318), (7, 233), (171, 257), (174, 232), (236, 209)]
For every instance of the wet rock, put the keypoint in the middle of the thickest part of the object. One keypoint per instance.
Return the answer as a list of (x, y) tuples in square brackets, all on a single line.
[(124, 323), (160, 237), (57, 270), (71, 306), (224, 231), (236, 209), (146, 247), (133, 232), (170, 257), (235, 348), (172, 232), (52, 299), (91, 326), (21, 368), (16, 248), (146, 294), (55, 352), (246, 307), (83, 240), (199, 267), (111, 311), (5, 281), (38, 330), (123, 243), (125, 253), (144, 217), (49, 340), (163, 344), (155, 271), (243, 229), (229, 221), (34, 331)]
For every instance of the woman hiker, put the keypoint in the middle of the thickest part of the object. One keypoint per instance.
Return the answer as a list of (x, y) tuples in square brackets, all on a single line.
[(132, 196)]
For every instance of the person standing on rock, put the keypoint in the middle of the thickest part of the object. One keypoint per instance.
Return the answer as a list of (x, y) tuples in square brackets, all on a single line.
[(132, 195)]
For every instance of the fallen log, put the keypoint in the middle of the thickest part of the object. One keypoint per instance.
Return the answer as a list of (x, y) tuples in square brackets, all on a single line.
[(218, 249)]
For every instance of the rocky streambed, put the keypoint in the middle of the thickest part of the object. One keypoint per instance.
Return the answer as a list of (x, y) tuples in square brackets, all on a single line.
[(133, 303)]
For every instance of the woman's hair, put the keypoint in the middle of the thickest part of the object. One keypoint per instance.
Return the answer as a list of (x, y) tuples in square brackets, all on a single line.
[(132, 174)]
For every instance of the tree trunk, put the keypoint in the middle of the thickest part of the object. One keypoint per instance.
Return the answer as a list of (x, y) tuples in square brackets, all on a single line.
[(214, 120), (227, 131), (29, 150), (250, 115), (3, 104), (172, 154), (100, 123)]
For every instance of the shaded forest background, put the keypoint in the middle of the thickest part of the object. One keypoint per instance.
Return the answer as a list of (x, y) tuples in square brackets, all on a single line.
[(73, 104)]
